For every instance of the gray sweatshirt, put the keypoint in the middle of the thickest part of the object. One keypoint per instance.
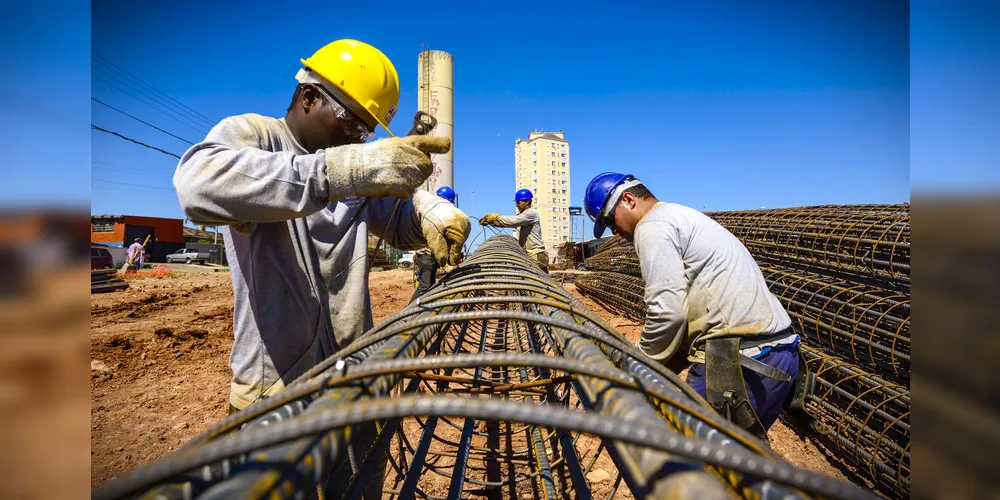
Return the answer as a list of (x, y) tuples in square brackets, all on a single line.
[(701, 283), (299, 271), (529, 229)]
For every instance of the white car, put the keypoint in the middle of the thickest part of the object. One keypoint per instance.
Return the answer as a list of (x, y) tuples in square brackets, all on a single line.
[(188, 255), (406, 261)]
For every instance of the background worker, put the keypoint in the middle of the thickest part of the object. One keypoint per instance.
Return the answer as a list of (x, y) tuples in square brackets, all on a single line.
[(528, 224), (706, 298), (135, 254), (290, 191), (426, 265)]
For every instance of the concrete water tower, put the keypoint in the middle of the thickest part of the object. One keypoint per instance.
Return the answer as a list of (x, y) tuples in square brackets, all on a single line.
[(436, 96)]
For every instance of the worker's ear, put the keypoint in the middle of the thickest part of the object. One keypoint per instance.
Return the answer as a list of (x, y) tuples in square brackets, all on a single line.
[(629, 200), (308, 97)]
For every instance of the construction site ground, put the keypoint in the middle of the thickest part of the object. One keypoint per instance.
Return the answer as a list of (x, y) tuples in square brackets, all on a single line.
[(160, 372)]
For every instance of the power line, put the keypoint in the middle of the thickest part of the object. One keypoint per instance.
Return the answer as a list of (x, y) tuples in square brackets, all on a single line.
[(167, 111), (133, 185), (129, 190), (140, 81), (141, 121), (115, 165), (95, 127), (136, 172), (173, 110)]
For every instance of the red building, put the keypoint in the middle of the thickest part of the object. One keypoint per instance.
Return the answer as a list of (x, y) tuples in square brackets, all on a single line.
[(165, 235)]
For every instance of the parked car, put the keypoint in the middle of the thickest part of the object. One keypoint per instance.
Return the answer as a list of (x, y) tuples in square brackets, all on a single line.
[(406, 261), (100, 258), (189, 255)]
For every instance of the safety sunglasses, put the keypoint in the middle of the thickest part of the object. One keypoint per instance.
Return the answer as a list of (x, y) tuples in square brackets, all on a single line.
[(609, 220), (354, 127)]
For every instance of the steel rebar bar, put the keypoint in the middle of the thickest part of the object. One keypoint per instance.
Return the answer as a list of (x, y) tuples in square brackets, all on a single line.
[(483, 386), (864, 417)]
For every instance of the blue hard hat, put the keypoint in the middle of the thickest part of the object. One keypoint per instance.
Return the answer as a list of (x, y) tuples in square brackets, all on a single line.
[(523, 194), (596, 196), (447, 193)]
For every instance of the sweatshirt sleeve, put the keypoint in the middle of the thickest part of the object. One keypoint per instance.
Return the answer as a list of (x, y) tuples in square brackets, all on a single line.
[(403, 230), (525, 218), (229, 178), (666, 287)]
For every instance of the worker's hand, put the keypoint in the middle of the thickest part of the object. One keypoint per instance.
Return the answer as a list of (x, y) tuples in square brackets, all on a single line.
[(387, 167), (489, 219), (445, 227)]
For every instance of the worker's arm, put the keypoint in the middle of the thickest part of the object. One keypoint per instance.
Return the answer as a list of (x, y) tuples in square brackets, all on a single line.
[(666, 286), (231, 177), (403, 231), (525, 218)]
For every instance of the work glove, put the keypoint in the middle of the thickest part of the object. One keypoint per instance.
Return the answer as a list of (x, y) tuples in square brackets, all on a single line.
[(387, 167), (489, 219), (445, 227)]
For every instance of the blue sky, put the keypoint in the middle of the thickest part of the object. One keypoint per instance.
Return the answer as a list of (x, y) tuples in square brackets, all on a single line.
[(721, 105)]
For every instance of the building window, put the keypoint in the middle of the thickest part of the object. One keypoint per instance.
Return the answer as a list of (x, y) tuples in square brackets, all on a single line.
[(102, 226)]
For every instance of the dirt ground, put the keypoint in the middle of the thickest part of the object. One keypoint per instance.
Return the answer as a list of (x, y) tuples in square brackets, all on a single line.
[(160, 373), (160, 362)]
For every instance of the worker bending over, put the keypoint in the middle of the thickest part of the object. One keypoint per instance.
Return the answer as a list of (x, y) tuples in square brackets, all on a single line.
[(425, 263), (290, 191), (528, 224), (706, 298)]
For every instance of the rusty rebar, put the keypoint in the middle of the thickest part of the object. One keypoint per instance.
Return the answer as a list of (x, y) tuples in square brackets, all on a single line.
[(842, 273), (485, 385), (861, 240), (864, 418), (866, 325)]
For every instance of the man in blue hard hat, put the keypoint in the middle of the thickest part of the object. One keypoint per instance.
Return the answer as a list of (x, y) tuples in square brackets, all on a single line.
[(706, 298), (426, 265), (528, 224)]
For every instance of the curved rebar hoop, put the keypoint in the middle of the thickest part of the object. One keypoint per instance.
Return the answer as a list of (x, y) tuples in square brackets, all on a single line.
[(842, 274), (497, 382)]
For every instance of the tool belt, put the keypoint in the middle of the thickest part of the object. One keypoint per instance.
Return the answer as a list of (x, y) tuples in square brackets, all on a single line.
[(725, 388)]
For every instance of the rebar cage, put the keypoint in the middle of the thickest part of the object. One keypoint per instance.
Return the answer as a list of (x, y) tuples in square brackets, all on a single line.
[(496, 383), (842, 274)]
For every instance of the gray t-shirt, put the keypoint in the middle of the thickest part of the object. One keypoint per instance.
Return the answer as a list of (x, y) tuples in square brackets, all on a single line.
[(701, 283), (299, 271), (529, 229)]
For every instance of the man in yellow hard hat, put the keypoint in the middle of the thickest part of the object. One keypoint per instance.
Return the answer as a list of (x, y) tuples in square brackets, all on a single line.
[(290, 190)]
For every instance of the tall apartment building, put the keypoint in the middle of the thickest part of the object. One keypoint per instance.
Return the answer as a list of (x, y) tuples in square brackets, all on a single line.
[(542, 165)]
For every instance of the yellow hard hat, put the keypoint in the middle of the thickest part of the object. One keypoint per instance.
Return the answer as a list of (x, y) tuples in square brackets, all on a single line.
[(364, 74)]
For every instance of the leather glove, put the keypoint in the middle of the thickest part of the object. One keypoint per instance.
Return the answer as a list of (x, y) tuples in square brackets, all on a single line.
[(445, 227), (386, 167), (489, 219)]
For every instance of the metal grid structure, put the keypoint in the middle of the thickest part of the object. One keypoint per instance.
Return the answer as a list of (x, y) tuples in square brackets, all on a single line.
[(863, 417), (866, 325), (616, 256), (620, 294), (842, 273), (868, 242), (496, 383)]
